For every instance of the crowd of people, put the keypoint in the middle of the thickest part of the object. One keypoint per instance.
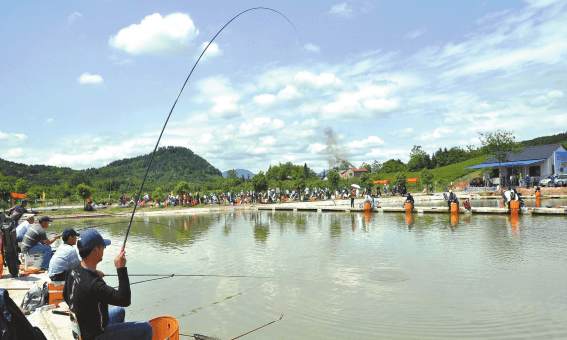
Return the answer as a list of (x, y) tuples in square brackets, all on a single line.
[(272, 195)]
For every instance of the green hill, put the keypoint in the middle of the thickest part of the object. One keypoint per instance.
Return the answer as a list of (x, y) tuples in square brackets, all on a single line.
[(170, 165)]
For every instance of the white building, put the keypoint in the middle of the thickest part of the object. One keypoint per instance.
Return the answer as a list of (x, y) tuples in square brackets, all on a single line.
[(537, 162)]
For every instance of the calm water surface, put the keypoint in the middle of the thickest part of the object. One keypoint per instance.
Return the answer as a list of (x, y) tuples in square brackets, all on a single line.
[(344, 276)]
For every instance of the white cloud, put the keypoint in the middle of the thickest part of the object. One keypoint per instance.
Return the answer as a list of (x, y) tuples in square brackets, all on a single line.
[(403, 133), (382, 104), (312, 47), (12, 136), (13, 153), (491, 16), (49, 120), (87, 78), (323, 80), (73, 17), (316, 148), (345, 107), (546, 99), (436, 134), (261, 126), (367, 143), (156, 35), (416, 33), (212, 51), (218, 91), (342, 10)]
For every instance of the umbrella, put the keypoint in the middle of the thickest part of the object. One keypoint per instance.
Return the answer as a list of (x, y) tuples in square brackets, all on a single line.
[(355, 186)]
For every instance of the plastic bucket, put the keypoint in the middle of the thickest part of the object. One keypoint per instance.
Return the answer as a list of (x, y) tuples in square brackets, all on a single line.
[(408, 206), (454, 208), (165, 327), (366, 207), (515, 205)]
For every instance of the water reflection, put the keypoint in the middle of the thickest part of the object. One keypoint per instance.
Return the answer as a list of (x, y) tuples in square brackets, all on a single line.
[(261, 229), (454, 221), (335, 226), (409, 219), (406, 276), (515, 224)]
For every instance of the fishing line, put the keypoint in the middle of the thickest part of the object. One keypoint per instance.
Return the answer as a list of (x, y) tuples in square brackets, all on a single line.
[(194, 311), (175, 103)]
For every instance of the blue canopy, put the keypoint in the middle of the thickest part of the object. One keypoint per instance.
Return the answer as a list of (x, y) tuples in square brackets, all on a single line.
[(495, 165)]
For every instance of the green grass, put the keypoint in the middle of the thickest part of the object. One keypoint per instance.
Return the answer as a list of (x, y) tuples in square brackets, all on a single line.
[(446, 174)]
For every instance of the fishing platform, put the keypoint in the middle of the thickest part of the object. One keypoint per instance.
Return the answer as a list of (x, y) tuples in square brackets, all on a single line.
[(433, 210)]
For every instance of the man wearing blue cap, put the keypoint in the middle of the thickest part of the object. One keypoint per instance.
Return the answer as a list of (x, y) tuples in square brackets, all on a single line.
[(64, 257), (88, 296)]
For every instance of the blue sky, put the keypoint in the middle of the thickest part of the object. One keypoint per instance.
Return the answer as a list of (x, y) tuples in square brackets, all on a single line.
[(84, 83)]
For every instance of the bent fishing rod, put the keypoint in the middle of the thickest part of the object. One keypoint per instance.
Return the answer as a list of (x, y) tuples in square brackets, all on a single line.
[(204, 337), (179, 95)]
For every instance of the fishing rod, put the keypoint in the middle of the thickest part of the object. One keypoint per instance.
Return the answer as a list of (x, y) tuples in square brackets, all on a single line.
[(175, 103), (204, 337), (269, 323), (200, 275)]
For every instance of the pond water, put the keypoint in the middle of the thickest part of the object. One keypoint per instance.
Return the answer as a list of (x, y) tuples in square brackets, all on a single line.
[(347, 276), (530, 202)]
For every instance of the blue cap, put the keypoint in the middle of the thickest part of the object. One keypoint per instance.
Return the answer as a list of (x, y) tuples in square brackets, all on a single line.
[(90, 239), (69, 232)]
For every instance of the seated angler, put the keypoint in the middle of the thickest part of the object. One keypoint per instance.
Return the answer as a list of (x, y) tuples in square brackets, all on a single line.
[(88, 296), (409, 199), (23, 228), (64, 257), (452, 199), (36, 240)]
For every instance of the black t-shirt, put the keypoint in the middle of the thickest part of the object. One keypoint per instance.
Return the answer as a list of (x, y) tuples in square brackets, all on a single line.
[(91, 297)]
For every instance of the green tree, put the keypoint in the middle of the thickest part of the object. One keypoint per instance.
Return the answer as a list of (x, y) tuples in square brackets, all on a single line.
[(376, 167), (366, 182), (80, 177), (34, 192), (21, 186), (231, 174), (344, 165), (419, 159), (500, 144), (260, 182), (55, 192), (5, 192), (182, 188), (333, 178), (158, 194), (401, 178), (367, 167), (393, 166), (84, 191), (426, 178)]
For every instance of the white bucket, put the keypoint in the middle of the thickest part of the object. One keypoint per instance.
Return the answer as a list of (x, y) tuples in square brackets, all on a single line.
[(33, 260)]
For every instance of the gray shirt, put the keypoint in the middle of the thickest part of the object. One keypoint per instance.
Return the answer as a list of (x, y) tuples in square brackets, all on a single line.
[(34, 235)]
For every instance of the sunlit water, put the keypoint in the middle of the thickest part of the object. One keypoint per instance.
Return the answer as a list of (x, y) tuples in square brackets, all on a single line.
[(529, 202), (343, 276)]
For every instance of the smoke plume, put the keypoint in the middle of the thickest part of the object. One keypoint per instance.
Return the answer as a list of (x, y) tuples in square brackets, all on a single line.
[(335, 153)]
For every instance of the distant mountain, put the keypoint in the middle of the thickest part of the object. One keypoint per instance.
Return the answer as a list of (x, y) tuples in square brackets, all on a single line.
[(170, 166), (239, 172)]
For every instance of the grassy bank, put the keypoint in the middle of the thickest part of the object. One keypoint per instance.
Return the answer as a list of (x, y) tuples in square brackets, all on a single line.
[(442, 176)]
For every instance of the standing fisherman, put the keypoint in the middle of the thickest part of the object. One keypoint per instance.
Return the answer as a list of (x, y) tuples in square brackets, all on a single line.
[(19, 210)]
